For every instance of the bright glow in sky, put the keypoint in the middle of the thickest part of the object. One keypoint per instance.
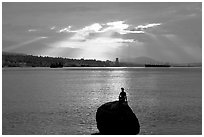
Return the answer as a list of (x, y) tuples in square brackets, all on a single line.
[(168, 32), (95, 46)]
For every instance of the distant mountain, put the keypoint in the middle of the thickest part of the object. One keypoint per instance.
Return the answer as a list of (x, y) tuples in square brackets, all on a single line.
[(141, 60), (147, 60), (197, 64)]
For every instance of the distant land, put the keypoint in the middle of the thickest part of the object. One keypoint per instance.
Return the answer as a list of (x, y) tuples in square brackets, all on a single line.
[(147, 60), (23, 60)]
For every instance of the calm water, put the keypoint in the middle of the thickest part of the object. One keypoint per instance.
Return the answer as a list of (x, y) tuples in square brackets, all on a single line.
[(64, 101)]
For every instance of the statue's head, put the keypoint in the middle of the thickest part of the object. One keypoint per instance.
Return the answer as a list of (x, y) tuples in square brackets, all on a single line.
[(122, 89)]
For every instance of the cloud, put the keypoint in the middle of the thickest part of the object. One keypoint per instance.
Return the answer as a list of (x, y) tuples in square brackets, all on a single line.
[(63, 30), (108, 29), (120, 27), (94, 27), (143, 27), (98, 39), (104, 35), (83, 33), (117, 26)]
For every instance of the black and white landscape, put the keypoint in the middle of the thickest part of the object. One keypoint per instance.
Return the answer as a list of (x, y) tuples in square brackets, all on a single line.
[(61, 61)]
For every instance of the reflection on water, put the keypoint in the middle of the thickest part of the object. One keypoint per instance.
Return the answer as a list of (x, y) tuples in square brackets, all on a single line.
[(105, 86), (64, 101)]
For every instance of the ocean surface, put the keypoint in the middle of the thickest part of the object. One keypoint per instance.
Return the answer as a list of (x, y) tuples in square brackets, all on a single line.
[(167, 101)]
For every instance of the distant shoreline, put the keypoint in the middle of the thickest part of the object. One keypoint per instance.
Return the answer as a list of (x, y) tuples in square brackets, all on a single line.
[(19, 60), (109, 67)]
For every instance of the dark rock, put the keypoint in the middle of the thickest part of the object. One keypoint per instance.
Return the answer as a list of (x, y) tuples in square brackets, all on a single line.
[(116, 119)]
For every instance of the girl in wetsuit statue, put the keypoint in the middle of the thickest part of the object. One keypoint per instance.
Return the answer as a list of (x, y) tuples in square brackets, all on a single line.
[(122, 96)]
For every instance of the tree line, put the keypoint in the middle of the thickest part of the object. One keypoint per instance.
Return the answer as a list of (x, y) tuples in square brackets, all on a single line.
[(21, 60)]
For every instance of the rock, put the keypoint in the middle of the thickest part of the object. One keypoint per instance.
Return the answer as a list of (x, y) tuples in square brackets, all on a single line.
[(116, 119)]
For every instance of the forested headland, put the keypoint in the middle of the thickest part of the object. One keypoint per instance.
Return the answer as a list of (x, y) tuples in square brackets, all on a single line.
[(23, 60)]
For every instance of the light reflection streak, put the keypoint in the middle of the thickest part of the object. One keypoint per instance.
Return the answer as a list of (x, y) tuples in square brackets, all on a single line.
[(108, 87)]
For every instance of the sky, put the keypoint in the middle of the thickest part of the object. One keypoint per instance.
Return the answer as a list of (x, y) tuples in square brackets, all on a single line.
[(167, 32)]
